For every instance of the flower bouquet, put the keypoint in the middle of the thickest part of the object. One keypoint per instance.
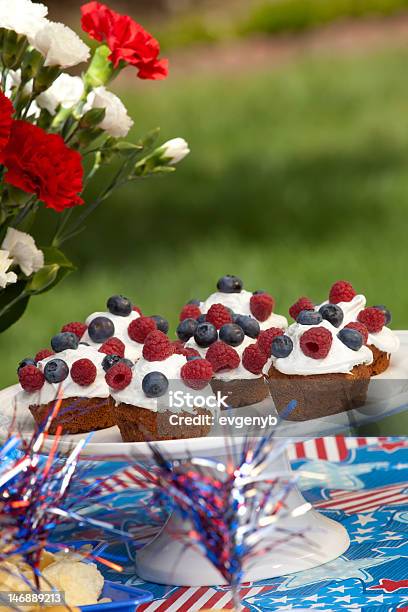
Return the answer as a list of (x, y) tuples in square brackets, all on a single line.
[(57, 131)]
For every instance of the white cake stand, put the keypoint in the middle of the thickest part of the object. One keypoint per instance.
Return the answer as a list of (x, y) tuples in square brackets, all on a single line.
[(167, 559)]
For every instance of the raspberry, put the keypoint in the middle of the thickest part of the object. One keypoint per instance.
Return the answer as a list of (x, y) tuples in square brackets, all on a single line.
[(76, 328), (197, 374), (261, 305), (83, 372), (190, 311), (180, 349), (360, 328), (43, 354), (218, 315), (372, 318), (113, 346), (316, 342), (342, 291), (119, 376), (157, 347), (140, 328), (137, 309), (31, 378), (222, 356), (266, 337), (303, 303), (253, 359)]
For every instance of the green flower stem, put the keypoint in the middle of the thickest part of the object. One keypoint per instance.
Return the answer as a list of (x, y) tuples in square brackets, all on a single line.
[(22, 296)]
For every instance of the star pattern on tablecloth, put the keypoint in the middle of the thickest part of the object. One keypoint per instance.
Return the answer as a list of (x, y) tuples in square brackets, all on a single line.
[(388, 446)]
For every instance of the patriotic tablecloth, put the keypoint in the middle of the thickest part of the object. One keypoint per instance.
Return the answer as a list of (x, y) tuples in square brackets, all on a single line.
[(365, 488)]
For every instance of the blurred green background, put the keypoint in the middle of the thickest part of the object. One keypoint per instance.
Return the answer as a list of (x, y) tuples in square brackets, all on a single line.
[(298, 174)]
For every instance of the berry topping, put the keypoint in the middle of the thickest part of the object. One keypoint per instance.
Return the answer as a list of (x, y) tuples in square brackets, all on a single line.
[(43, 354), (253, 359), (161, 323), (31, 378), (386, 312), (56, 371), (201, 318), (180, 349), (119, 305), (157, 347), (194, 302), (281, 346), (128, 362), (230, 284), (140, 328), (218, 315), (119, 376), (100, 329), (351, 338), (232, 334), (197, 373), (137, 309), (249, 325), (303, 303), (26, 362), (113, 346), (192, 357), (205, 334), (109, 361), (185, 329), (261, 305), (360, 328), (372, 318), (309, 317), (222, 356), (76, 327), (83, 372), (155, 384), (342, 291), (64, 341), (316, 342), (266, 338), (190, 311), (332, 313)]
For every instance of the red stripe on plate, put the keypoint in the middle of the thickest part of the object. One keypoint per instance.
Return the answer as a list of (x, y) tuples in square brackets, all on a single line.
[(321, 448)]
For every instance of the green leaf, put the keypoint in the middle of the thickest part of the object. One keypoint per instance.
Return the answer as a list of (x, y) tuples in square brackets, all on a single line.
[(53, 255), (43, 279), (12, 293), (150, 139)]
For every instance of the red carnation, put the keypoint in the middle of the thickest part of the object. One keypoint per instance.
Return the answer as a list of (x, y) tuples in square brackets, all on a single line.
[(127, 40), (6, 120), (41, 163)]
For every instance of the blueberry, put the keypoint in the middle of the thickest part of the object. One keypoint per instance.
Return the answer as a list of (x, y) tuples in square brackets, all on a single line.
[(205, 334), (332, 313), (232, 334), (309, 317), (193, 357), (161, 322), (386, 312), (282, 346), (109, 361), (130, 364), (56, 371), (27, 361), (201, 318), (230, 284), (155, 384), (119, 305), (194, 302), (186, 329), (249, 325), (351, 338), (101, 329), (259, 292), (63, 341)]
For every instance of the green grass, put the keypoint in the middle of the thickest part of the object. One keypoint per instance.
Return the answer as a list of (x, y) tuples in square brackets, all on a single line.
[(297, 177)]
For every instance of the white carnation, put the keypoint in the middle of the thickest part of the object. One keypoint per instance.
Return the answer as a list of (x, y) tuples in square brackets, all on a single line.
[(65, 91), (175, 150), (22, 249), (5, 276), (22, 16), (116, 122), (60, 45)]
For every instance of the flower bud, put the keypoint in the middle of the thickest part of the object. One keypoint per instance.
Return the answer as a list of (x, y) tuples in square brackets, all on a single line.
[(174, 150)]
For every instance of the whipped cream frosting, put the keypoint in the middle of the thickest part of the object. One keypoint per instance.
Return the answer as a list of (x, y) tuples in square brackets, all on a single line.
[(69, 388), (237, 373), (240, 304), (385, 340), (340, 360), (134, 395), (133, 350)]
